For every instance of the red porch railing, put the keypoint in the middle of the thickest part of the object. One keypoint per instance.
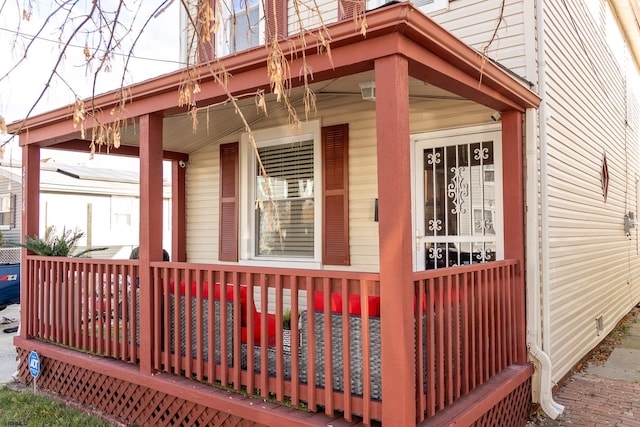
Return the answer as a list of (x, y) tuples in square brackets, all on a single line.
[(471, 330), (256, 300), (233, 335), (83, 303)]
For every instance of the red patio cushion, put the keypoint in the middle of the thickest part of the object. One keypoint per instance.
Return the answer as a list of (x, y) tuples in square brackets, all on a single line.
[(355, 306), (257, 316)]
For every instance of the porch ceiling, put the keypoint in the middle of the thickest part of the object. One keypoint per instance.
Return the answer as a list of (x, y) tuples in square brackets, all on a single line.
[(220, 122), (454, 71)]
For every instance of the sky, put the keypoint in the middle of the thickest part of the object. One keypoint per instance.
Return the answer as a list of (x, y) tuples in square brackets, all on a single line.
[(156, 53)]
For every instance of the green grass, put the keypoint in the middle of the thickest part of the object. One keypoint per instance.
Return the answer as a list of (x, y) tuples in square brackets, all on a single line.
[(22, 408)]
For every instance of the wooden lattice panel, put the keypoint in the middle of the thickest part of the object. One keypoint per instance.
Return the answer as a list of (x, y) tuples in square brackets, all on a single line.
[(513, 410), (130, 403)]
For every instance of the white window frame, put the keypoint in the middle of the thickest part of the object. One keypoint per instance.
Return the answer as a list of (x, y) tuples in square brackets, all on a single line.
[(223, 36), (247, 189), (11, 212), (454, 137)]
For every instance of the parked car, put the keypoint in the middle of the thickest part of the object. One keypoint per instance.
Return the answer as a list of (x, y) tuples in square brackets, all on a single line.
[(9, 285)]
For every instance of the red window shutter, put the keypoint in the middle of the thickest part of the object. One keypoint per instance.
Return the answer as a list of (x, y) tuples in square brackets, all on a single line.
[(276, 14), (228, 245), (335, 195), (347, 8), (206, 36)]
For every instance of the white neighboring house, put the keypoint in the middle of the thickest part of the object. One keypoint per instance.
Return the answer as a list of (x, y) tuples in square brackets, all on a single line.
[(103, 203)]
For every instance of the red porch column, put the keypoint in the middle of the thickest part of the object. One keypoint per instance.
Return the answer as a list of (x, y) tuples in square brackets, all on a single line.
[(396, 240), (150, 226), (30, 222), (178, 211), (514, 211)]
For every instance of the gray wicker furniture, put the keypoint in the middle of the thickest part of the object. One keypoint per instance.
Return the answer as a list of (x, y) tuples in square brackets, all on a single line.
[(205, 333), (205, 328), (355, 350)]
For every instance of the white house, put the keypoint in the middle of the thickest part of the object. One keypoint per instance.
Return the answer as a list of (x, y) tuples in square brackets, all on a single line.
[(462, 242)]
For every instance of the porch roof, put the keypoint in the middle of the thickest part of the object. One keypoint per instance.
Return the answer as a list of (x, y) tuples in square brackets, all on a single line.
[(439, 65)]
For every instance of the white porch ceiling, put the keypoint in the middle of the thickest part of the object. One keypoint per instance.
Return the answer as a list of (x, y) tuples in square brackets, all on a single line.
[(220, 122)]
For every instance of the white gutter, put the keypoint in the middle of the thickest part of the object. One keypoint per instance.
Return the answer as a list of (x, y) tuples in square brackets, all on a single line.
[(538, 290)]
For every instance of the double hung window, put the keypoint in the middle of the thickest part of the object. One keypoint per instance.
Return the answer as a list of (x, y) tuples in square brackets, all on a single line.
[(7, 211), (242, 27), (281, 202), (285, 200)]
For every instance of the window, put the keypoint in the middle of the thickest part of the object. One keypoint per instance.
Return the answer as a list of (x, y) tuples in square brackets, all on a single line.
[(285, 200), (7, 211), (279, 219), (122, 211), (243, 26)]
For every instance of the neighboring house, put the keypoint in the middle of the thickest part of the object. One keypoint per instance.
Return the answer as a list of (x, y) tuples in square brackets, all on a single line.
[(102, 203), (518, 170)]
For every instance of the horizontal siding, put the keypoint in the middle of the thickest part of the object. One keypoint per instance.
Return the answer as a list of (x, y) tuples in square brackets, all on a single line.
[(474, 22), (593, 266), (202, 173), (308, 15), (202, 205)]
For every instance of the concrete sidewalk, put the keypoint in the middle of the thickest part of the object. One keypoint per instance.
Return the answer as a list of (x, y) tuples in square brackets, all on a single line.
[(9, 319), (608, 394)]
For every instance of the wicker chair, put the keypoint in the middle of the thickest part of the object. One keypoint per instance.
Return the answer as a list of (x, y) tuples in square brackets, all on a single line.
[(355, 351), (205, 329)]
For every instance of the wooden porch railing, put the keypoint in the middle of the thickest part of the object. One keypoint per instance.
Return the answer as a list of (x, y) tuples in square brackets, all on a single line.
[(472, 318), (83, 303), (279, 374), (213, 334)]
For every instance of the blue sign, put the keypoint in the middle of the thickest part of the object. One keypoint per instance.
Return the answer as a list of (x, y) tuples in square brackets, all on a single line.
[(34, 364)]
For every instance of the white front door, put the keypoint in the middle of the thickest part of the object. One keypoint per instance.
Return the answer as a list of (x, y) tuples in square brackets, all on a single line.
[(458, 197)]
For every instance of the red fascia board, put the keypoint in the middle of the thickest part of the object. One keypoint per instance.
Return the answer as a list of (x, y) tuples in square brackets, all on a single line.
[(247, 70)]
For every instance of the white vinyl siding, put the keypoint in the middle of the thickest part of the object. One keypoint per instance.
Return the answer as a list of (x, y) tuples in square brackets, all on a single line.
[(188, 39), (593, 266), (474, 22), (202, 209), (203, 169), (308, 15)]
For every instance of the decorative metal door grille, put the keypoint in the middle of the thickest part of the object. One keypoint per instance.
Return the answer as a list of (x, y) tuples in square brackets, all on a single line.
[(460, 204)]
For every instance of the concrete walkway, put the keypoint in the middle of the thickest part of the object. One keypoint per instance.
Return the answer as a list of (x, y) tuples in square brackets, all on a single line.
[(9, 319), (607, 395)]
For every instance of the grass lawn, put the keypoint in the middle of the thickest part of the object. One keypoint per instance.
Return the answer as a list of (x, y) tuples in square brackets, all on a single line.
[(22, 408)]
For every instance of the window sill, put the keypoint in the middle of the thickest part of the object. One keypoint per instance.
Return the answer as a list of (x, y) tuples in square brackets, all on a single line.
[(282, 263)]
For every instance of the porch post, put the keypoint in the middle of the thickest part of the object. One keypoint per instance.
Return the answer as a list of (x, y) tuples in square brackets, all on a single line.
[(396, 240), (30, 225), (514, 212), (178, 212), (150, 226)]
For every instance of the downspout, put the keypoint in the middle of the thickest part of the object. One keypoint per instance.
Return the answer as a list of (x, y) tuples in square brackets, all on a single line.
[(538, 290)]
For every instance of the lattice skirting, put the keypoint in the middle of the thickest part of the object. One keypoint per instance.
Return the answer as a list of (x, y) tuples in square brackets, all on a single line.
[(130, 403), (513, 410)]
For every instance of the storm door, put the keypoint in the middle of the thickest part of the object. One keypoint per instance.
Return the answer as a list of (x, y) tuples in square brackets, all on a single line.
[(458, 198)]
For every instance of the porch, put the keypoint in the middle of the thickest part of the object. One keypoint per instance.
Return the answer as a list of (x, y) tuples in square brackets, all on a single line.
[(468, 337), (373, 338)]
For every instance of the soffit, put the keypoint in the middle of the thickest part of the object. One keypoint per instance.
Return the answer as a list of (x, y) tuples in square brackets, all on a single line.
[(221, 123), (628, 14)]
